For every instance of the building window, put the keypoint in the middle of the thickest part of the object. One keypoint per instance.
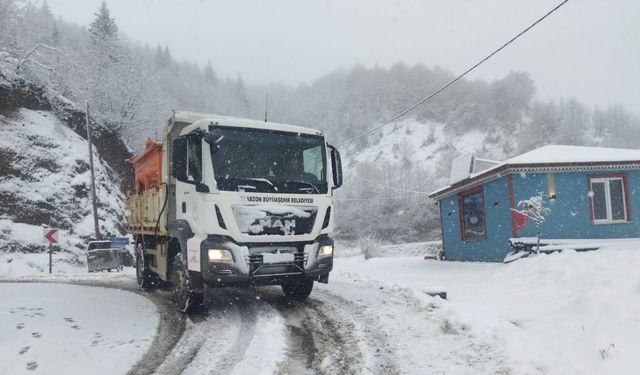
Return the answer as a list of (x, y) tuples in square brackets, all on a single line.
[(473, 224), (609, 203)]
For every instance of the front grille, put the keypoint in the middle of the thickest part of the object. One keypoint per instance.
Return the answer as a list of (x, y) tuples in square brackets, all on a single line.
[(255, 259), (257, 267), (275, 269), (259, 258)]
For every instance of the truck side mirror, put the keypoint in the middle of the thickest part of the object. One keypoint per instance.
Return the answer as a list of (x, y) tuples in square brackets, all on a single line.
[(202, 188), (336, 167), (180, 158)]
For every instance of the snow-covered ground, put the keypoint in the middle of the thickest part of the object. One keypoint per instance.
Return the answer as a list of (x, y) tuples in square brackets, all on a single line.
[(71, 329), (562, 313)]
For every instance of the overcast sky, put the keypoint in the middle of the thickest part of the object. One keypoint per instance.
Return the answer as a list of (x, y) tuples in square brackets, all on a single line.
[(589, 49)]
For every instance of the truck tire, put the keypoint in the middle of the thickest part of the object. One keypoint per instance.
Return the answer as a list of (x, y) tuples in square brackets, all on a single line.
[(144, 277), (182, 284), (298, 290)]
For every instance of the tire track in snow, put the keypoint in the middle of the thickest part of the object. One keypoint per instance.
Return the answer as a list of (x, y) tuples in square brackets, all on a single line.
[(200, 350), (357, 332), (318, 342), (229, 324), (301, 350), (236, 333)]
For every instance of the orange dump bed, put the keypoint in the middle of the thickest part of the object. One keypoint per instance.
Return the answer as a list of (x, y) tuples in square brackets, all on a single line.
[(148, 166)]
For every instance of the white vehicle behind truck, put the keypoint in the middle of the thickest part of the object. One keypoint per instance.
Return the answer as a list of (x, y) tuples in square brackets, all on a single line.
[(233, 202)]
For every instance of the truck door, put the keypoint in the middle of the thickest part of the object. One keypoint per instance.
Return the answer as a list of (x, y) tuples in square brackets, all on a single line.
[(188, 199)]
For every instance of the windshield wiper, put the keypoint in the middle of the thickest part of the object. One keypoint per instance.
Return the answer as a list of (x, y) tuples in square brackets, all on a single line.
[(262, 180), (241, 180), (245, 187), (311, 186)]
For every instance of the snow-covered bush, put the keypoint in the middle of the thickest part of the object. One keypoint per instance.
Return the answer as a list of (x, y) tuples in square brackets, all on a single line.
[(369, 246)]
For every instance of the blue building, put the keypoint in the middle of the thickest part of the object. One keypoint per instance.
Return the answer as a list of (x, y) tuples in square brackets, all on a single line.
[(593, 193)]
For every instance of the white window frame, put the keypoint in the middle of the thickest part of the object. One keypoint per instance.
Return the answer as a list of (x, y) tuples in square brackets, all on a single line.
[(607, 197)]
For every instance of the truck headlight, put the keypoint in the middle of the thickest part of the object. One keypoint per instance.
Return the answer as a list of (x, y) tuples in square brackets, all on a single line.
[(325, 251), (220, 256)]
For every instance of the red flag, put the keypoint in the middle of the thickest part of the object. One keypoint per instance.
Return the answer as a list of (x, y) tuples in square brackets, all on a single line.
[(519, 219)]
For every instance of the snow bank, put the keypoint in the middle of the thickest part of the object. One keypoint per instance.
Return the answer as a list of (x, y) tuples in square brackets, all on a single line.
[(427, 248), (562, 313)]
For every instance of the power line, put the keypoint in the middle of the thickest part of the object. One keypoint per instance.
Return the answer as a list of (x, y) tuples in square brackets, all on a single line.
[(390, 187), (455, 79)]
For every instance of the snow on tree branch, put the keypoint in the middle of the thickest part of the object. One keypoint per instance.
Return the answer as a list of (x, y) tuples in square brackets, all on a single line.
[(34, 49), (534, 208)]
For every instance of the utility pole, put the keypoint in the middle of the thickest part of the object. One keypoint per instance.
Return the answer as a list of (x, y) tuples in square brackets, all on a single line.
[(266, 107), (93, 178), (50, 257)]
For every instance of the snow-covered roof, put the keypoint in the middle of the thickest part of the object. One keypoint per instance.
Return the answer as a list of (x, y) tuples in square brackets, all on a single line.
[(187, 116), (551, 155)]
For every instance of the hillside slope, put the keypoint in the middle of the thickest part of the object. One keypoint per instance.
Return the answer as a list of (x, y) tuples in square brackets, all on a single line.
[(44, 181)]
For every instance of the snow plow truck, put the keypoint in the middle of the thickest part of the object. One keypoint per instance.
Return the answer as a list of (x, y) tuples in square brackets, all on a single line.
[(226, 201)]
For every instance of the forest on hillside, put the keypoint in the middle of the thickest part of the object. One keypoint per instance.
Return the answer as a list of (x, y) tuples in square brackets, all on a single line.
[(132, 87)]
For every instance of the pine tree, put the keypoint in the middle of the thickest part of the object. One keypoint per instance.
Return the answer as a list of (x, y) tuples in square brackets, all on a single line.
[(159, 57), (114, 83), (103, 29), (210, 74), (168, 60), (55, 35), (8, 25), (241, 95), (45, 10)]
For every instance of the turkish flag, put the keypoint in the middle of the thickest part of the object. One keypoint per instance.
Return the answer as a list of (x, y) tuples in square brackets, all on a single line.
[(519, 219)]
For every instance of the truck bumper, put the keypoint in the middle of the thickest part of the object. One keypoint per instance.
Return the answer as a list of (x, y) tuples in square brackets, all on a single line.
[(250, 269)]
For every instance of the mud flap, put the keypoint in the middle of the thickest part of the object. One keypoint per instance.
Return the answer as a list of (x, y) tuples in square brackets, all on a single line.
[(197, 282)]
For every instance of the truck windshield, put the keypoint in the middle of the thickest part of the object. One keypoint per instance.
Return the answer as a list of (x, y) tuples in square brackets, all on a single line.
[(270, 161)]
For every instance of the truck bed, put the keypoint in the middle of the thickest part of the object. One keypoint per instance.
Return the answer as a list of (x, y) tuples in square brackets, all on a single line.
[(144, 210)]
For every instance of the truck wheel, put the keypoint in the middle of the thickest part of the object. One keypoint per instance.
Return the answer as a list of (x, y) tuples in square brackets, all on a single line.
[(143, 274), (185, 297), (298, 290)]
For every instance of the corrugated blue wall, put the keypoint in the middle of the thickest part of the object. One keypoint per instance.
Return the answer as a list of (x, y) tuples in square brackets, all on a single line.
[(570, 213)]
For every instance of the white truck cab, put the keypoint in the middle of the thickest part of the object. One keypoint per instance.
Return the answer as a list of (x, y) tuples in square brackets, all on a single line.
[(246, 203)]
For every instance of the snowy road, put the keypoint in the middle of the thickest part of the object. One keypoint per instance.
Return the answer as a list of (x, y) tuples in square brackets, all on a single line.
[(569, 313), (244, 331), (346, 327)]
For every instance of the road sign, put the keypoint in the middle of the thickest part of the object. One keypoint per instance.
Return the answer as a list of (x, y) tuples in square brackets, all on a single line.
[(51, 235), (118, 241)]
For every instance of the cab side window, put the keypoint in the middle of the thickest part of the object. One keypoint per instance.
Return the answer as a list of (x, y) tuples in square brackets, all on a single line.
[(194, 160)]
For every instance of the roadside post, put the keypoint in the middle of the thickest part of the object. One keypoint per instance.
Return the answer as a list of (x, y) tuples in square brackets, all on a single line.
[(51, 235)]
